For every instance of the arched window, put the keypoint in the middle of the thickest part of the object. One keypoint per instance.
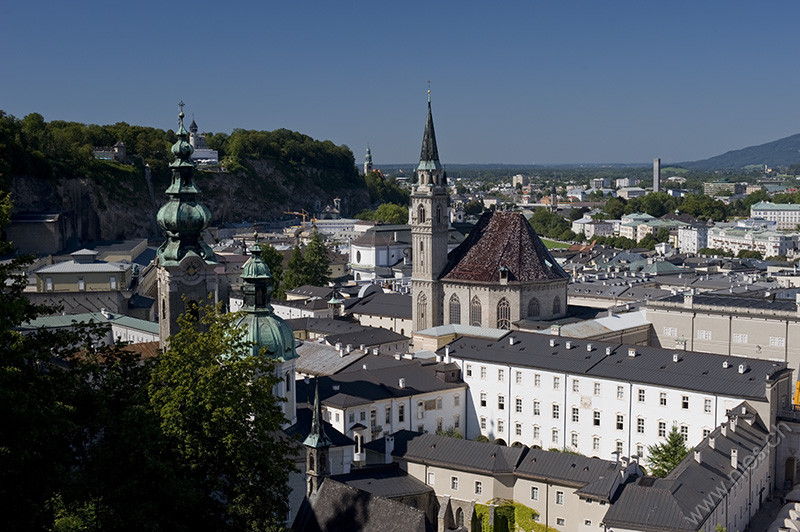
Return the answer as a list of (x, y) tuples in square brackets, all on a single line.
[(533, 308), (459, 517), (358, 256), (455, 310), (288, 382), (421, 215), (556, 306), (503, 314), (438, 214), (475, 312), (422, 303)]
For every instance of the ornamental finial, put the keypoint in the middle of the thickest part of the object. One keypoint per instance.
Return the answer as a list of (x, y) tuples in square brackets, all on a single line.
[(429, 91), (180, 114)]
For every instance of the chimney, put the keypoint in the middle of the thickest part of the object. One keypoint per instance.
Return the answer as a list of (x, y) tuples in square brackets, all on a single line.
[(723, 430), (552, 342), (588, 347), (743, 368), (712, 442), (511, 340), (735, 458), (676, 357), (698, 457), (569, 345), (363, 366), (608, 350), (447, 354), (389, 448), (363, 347), (631, 352), (725, 364), (106, 314), (349, 348), (402, 383), (376, 351)]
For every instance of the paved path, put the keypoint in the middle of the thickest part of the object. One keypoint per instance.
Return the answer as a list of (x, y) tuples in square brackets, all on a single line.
[(766, 515)]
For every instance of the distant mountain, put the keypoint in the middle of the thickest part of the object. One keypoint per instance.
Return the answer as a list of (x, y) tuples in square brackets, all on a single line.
[(781, 152)]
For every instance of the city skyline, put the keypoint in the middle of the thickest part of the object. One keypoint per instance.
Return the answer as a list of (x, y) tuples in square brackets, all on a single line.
[(530, 83)]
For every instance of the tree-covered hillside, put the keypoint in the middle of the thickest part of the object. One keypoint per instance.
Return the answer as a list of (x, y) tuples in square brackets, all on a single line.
[(781, 152), (50, 166)]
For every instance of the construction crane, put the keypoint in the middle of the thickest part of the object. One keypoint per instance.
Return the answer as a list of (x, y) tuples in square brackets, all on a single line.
[(303, 213)]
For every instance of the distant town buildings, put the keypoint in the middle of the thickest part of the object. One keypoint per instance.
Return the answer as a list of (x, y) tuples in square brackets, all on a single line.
[(785, 215), (202, 153)]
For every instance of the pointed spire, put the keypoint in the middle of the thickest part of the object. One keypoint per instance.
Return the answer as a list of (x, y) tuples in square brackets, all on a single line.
[(429, 156), (317, 437)]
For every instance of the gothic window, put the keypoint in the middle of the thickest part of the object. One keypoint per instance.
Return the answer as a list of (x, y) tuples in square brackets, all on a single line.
[(422, 303), (556, 306), (459, 517), (421, 214), (438, 214), (288, 382), (533, 308), (503, 314), (475, 312), (455, 310)]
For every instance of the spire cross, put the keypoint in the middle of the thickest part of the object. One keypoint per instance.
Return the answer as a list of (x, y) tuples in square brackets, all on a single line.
[(180, 114)]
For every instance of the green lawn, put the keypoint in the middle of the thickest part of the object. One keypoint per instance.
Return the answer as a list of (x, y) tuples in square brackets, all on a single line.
[(553, 244)]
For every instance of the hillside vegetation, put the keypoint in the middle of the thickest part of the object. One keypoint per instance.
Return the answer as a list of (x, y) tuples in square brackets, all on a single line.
[(49, 166)]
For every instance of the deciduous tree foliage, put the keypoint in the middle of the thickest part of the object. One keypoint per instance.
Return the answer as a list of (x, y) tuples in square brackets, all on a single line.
[(215, 404)]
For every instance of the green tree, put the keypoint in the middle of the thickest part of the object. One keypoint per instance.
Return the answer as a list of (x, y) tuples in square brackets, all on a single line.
[(274, 260), (387, 213), (473, 207), (615, 208), (294, 275), (317, 262), (215, 404), (664, 457)]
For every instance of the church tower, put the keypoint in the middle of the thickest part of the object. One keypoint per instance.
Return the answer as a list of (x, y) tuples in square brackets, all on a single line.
[(430, 201), (317, 444), (368, 162), (267, 334), (193, 133), (185, 263)]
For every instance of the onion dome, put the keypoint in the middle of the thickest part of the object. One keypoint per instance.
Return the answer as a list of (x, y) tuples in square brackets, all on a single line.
[(265, 330), (183, 218)]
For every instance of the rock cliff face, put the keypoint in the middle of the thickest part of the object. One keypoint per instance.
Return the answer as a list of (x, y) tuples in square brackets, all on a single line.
[(124, 207)]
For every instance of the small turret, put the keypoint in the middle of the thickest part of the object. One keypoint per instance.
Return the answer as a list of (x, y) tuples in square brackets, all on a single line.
[(317, 444)]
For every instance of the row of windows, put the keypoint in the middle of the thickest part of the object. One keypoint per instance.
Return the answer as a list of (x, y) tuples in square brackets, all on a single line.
[(640, 429), (503, 310), (112, 283), (518, 404)]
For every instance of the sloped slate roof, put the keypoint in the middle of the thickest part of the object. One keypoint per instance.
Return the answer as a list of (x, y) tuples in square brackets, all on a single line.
[(464, 454), (567, 469), (385, 304), (502, 239), (384, 481), (339, 507)]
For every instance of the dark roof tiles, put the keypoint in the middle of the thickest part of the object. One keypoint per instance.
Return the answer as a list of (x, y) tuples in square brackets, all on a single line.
[(502, 239)]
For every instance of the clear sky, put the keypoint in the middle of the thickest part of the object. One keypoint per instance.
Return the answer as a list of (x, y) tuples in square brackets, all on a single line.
[(512, 82)]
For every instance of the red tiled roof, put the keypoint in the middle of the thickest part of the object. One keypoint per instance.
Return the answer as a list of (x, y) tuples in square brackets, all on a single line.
[(502, 239)]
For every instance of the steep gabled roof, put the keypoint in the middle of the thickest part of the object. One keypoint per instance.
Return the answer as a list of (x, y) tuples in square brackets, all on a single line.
[(502, 239)]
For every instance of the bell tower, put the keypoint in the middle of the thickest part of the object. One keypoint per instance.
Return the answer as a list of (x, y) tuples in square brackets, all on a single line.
[(186, 264), (430, 202), (317, 445)]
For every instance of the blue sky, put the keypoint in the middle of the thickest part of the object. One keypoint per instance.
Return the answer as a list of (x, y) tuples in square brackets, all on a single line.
[(512, 82)]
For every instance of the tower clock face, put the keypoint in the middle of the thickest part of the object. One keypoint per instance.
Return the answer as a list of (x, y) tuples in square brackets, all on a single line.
[(192, 268)]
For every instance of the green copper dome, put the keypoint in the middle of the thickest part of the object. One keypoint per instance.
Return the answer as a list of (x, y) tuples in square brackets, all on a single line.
[(264, 328), (183, 218)]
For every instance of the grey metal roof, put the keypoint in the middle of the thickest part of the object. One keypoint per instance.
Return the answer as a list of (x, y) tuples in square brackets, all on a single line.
[(466, 455), (568, 469), (733, 301), (369, 336), (671, 503), (364, 386), (322, 359), (312, 291), (384, 304), (323, 325), (68, 320), (337, 507), (702, 372), (302, 427), (71, 266), (385, 481)]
